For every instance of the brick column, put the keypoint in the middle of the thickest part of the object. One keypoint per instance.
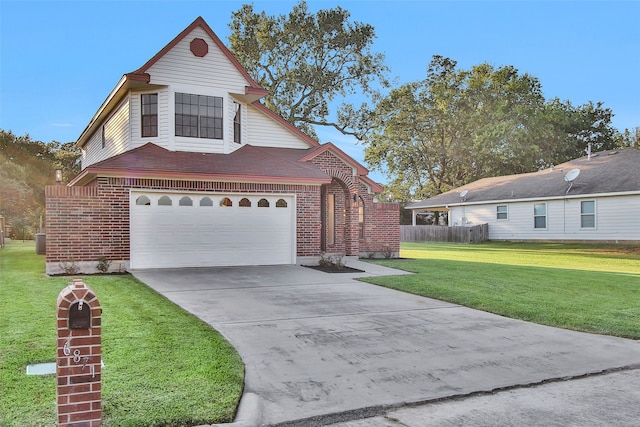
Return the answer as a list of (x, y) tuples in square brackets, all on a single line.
[(79, 357)]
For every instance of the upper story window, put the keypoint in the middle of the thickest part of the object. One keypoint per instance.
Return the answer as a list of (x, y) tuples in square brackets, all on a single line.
[(199, 116), (540, 215), (149, 102), (502, 212), (237, 122), (588, 214)]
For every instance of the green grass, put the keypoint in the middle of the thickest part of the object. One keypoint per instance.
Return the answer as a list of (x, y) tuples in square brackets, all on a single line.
[(163, 367), (592, 288)]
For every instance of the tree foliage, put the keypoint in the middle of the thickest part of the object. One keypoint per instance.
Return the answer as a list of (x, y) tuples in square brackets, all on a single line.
[(457, 126), (26, 167), (630, 138), (307, 61)]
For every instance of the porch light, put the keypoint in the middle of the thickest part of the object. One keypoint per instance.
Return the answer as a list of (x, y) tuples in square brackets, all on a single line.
[(59, 176)]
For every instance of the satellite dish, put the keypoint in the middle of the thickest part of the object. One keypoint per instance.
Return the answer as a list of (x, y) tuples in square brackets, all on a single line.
[(571, 175), (464, 194)]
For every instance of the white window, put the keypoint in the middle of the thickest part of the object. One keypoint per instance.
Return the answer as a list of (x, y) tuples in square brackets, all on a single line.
[(149, 104), (588, 214), (540, 215), (198, 116), (237, 123), (502, 212)]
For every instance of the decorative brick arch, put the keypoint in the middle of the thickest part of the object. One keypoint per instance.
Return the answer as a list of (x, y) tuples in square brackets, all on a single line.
[(346, 179)]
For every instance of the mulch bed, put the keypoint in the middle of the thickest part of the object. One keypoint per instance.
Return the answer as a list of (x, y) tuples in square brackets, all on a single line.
[(334, 269)]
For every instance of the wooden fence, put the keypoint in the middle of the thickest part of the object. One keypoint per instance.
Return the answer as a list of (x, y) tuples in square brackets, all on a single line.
[(441, 233)]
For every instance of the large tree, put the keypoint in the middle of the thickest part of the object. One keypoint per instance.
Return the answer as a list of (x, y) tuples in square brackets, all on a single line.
[(308, 62), (26, 167), (457, 126)]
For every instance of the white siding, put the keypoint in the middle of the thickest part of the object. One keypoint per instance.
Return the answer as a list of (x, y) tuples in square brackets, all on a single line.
[(181, 67), (211, 75), (266, 132), (179, 71), (230, 113), (116, 133), (617, 218)]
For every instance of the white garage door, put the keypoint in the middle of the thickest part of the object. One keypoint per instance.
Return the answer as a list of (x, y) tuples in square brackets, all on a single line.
[(201, 230)]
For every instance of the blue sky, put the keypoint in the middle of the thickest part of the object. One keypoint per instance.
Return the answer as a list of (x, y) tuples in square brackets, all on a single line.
[(60, 59)]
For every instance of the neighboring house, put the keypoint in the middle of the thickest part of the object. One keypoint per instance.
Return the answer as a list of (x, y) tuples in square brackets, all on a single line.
[(599, 203), (182, 166)]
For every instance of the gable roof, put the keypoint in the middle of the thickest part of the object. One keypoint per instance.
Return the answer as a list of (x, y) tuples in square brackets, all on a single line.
[(361, 170), (199, 22), (605, 173), (140, 79), (246, 164)]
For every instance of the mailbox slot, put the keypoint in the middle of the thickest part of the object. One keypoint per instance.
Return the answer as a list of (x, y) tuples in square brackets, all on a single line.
[(79, 316)]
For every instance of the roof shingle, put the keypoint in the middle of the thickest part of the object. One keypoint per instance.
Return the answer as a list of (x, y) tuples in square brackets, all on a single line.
[(250, 162), (613, 171)]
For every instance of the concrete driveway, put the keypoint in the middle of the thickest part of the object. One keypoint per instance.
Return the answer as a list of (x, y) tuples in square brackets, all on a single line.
[(320, 347)]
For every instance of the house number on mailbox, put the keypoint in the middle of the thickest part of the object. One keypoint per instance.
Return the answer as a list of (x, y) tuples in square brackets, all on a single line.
[(79, 316), (77, 357)]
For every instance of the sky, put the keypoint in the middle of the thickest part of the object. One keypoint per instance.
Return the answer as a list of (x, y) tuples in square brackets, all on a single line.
[(60, 59)]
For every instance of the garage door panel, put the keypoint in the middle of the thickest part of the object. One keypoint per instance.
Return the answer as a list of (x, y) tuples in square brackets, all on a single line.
[(193, 236)]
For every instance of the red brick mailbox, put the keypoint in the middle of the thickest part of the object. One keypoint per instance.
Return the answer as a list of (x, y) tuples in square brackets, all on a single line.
[(79, 357)]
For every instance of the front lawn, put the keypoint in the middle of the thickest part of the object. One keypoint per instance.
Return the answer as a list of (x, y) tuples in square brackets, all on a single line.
[(592, 288), (162, 366)]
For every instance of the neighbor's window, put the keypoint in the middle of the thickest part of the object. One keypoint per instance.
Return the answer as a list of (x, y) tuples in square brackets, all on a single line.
[(588, 214), (104, 137), (149, 103), (540, 215), (199, 116), (237, 123), (502, 212)]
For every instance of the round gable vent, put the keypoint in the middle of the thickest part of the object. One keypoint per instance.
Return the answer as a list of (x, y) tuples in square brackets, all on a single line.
[(199, 47)]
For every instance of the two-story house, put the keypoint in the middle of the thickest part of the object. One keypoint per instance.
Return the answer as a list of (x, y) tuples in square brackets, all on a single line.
[(182, 166)]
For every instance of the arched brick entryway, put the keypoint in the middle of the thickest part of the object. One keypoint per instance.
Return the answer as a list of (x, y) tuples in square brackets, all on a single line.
[(339, 210)]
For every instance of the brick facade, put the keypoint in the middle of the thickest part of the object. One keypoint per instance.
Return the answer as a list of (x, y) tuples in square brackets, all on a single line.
[(86, 223), (79, 357)]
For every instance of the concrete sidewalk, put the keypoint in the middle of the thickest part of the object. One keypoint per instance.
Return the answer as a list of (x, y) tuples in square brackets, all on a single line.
[(611, 399), (320, 346)]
